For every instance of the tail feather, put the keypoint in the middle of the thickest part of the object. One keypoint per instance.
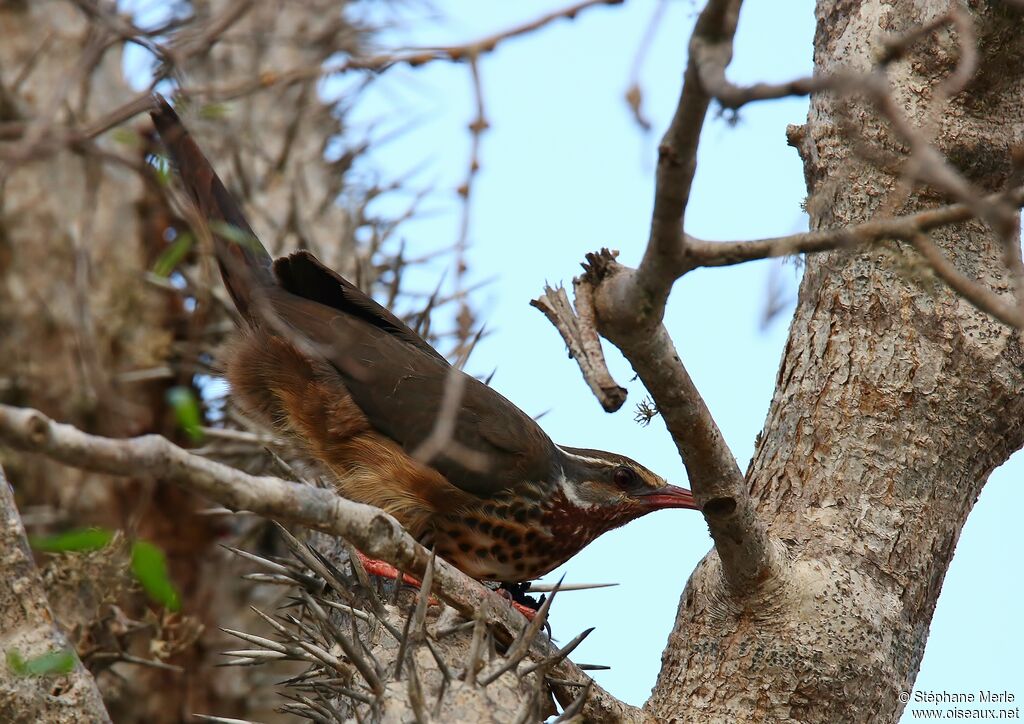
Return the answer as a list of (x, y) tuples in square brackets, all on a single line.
[(244, 263)]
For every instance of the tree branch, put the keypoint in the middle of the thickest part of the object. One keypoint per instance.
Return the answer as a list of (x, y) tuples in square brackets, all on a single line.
[(749, 558), (701, 253), (373, 531), (29, 630), (580, 335), (677, 164)]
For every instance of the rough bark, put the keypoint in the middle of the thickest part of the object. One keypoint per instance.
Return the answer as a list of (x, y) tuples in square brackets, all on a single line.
[(28, 629), (895, 400)]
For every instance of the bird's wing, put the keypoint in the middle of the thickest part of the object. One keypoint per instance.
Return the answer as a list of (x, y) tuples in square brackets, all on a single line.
[(302, 274), (395, 377), (400, 388)]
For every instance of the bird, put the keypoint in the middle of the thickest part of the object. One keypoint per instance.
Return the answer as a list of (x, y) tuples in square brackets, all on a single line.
[(358, 390)]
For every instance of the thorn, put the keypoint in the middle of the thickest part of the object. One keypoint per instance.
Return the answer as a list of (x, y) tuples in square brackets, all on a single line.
[(446, 672), (558, 655), (414, 624), (419, 708), (309, 704), (271, 579), (222, 719), (476, 644), (361, 615), (296, 577), (527, 710), (547, 588), (457, 628), (354, 655), (356, 563), (577, 704), (256, 654), (522, 645), (270, 619), (593, 667)]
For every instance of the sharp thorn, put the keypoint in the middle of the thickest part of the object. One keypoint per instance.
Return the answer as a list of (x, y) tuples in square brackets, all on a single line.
[(577, 704), (547, 588), (558, 655)]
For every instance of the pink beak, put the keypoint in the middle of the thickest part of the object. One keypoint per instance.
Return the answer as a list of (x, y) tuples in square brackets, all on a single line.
[(671, 496)]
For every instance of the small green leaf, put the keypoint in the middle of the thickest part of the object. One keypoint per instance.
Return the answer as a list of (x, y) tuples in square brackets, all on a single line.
[(16, 663), (173, 255), (83, 539), (52, 663), (186, 410), (150, 568)]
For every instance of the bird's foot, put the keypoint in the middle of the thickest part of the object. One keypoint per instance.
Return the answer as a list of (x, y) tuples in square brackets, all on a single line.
[(515, 594), (385, 570)]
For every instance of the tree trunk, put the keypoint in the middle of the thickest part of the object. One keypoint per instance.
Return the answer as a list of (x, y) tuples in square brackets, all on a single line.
[(894, 401)]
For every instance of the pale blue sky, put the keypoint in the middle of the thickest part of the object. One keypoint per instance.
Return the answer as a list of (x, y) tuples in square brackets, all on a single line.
[(565, 171)]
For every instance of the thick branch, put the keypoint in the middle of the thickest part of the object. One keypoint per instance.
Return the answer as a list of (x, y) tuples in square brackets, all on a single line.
[(373, 531), (749, 558), (28, 630)]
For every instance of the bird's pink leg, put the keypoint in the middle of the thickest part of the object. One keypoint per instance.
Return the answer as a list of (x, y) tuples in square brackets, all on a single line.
[(385, 570)]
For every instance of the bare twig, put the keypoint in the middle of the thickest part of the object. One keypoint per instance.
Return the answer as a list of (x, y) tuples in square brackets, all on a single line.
[(978, 295), (581, 338), (701, 253), (677, 164)]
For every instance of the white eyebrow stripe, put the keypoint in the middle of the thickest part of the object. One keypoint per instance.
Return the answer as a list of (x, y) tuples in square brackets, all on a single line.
[(584, 458)]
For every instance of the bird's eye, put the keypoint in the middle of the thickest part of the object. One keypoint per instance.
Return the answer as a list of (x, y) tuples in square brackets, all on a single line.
[(624, 477)]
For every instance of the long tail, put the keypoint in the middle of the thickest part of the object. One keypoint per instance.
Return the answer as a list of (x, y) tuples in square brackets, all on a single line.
[(244, 264)]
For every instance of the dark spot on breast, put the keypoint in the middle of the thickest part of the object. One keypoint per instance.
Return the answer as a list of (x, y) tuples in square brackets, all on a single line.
[(496, 549), (465, 547), (485, 527), (530, 536), (470, 523), (499, 531), (520, 515), (517, 555), (454, 533), (520, 566), (513, 540), (482, 552), (502, 558)]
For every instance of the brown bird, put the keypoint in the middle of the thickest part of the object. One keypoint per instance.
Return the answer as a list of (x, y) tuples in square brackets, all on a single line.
[(324, 364)]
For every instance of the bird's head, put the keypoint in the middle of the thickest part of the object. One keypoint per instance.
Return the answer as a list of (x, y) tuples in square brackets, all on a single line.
[(610, 490)]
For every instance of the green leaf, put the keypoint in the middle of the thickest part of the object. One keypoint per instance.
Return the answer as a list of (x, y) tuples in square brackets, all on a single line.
[(52, 663), (186, 410), (173, 254), (150, 568), (83, 539)]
